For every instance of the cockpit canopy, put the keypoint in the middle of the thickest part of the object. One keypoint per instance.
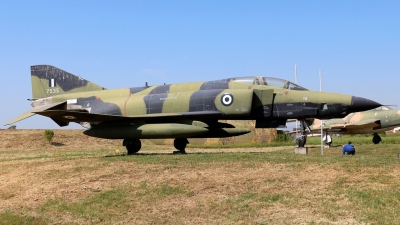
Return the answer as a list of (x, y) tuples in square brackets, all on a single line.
[(269, 81)]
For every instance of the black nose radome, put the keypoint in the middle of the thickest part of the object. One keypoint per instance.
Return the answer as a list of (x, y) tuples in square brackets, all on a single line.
[(359, 104)]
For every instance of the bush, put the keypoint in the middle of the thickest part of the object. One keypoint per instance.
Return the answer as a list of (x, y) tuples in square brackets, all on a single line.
[(283, 137), (49, 134)]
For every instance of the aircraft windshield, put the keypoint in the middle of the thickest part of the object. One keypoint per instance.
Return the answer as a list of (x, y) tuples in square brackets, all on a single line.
[(269, 81)]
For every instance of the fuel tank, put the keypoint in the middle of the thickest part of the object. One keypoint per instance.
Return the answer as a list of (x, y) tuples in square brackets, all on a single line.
[(146, 131), (223, 132)]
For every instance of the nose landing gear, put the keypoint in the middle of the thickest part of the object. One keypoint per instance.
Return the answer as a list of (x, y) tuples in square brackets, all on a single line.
[(302, 139)]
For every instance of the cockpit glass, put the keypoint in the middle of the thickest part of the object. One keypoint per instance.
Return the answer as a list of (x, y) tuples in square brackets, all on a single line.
[(276, 82), (269, 81), (293, 86), (247, 80)]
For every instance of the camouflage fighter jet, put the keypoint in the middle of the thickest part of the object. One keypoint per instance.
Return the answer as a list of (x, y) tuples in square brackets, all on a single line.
[(372, 121), (179, 111)]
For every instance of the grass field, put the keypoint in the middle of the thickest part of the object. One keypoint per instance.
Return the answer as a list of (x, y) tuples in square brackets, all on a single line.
[(85, 181)]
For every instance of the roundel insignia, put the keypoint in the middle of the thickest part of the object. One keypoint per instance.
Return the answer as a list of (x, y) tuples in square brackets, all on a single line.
[(227, 99)]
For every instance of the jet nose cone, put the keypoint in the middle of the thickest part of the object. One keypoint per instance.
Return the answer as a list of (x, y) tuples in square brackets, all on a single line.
[(359, 104)]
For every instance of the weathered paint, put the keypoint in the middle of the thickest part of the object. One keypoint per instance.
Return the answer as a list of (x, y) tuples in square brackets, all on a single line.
[(42, 75), (269, 101)]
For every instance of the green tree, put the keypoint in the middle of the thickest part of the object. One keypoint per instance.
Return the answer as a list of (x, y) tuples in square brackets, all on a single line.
[(49, 134), (283, 137)]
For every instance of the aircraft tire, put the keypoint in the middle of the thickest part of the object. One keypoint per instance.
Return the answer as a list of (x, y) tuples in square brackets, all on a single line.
[(328, 142), (376, 139), (301, 141), (180, 144), (132, 146)]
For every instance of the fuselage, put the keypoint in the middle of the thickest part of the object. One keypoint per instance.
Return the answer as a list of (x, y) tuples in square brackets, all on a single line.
[(238, 98), (179, 111)]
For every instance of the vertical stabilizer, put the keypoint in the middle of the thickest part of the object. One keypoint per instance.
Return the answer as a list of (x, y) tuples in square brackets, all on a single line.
[(49, 81)]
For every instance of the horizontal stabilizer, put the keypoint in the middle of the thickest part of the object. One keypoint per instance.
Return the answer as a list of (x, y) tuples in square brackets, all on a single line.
[(33, 112)]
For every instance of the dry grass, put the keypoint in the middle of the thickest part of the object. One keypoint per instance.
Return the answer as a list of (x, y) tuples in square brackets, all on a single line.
[(81, 180)]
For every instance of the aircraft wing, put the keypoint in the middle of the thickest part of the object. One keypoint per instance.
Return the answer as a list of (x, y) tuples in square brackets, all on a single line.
[(371, 123), (84, 116), (62, 116)]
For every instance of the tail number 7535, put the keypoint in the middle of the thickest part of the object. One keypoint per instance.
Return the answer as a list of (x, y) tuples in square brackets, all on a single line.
[(52, 90)]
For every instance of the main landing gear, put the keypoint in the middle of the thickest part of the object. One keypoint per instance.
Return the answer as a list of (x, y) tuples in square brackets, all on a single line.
[(132, 145), (376, 139), (180, 145)]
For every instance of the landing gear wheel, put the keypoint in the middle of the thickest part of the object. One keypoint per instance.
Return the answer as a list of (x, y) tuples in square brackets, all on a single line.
[(132, 146), (328, 143), (328, 140), (376, 139), (180, 145), (301, 141)]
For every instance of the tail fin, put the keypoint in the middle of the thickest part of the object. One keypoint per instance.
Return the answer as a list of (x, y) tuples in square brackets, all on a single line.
[(49, 81)]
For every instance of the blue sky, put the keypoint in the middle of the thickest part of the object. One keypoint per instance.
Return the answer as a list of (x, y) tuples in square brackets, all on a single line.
[(356, 45)]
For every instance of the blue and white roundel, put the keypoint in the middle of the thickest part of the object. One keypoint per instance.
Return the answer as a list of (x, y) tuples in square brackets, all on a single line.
[(227, 99)]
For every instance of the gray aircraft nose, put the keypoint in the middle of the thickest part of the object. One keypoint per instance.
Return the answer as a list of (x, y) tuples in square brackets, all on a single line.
[(359, 104)]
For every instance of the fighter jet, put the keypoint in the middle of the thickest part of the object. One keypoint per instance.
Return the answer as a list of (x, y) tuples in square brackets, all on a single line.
[(372, 121), (179, 111)]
